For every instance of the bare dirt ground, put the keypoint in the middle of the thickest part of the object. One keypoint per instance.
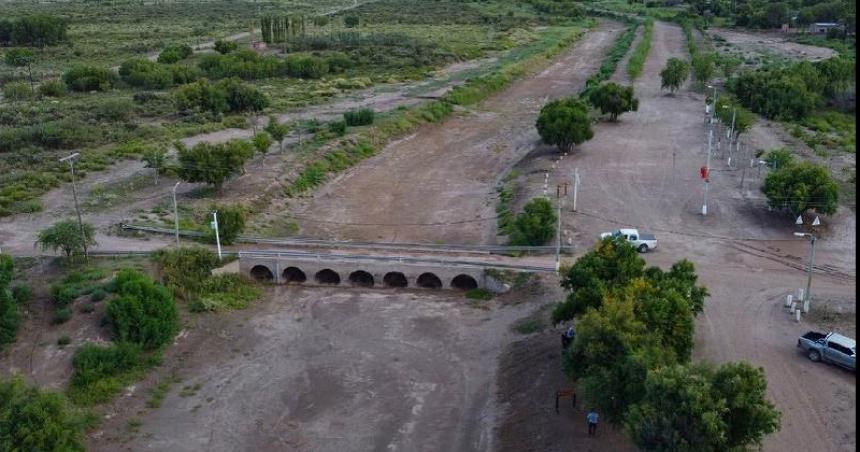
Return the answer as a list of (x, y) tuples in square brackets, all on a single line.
[(437, 184), (330, 369), (772, 43), (643, 172)]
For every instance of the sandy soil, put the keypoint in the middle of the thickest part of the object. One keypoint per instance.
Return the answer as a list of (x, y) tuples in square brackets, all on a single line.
[(773, 43), (326, 370), (438, 184)]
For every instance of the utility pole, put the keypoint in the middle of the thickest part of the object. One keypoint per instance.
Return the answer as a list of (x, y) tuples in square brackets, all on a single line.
[(558, 200), (743, 163), (575, 186), (707, 172), (176, 214), (807, 295), (217, 237), (71, 160)]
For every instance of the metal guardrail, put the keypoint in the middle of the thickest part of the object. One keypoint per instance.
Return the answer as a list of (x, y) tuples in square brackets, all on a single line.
[(475, 249)]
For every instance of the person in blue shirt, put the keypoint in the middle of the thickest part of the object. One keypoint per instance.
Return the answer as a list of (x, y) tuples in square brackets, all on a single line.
[(592, 418)]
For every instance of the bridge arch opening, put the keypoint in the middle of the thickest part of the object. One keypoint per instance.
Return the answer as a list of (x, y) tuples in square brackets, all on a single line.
[(429, 281), (262, 273), (361, 278), (395, 279), (464, 282), (294, 275), (327, 276)]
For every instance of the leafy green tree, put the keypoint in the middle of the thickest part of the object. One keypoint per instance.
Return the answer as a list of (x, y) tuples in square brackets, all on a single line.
[(704, 66), (174, 53), (614, 99), (277, 131), (142, 73), (37, 30), (535, 225), (731, 112), (36, 420), (697, 408), (213, 163), (155, 157), (564, 123), (89, 78), (802, 187), (67, 236), (22, 58), (224, 47), (779, 158), (674, 74), (612, 263), (231, 222), (262, 142), (143, 312)]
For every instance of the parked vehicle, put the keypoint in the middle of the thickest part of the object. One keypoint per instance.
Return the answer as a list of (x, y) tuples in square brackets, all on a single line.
[(830, 348), (642, 242)]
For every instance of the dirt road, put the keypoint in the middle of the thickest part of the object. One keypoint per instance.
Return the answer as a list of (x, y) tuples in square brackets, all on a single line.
[(438, 184), (643, 172)]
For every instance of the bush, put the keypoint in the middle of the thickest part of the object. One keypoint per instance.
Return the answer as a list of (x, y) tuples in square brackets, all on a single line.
[(779, 158), (67, 236), (89, 78), (674, 74), (479, 294), (17, 91), (143, 312), (98, 295), (223, 47), (185, 269), (211, 163), (63, 341), (22, 293), (62, 315), (229, 95), (362, 117), (102, 372), (113, 110), (53, 88), (226, 292), (535, 225), (35, 420), (350, 21), (142, 73), (10, 317), (174, 53), (337, 127), (231, 222), (564, 123)]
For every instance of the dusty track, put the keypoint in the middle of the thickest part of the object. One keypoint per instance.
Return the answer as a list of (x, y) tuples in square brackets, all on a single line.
[(438, 184)]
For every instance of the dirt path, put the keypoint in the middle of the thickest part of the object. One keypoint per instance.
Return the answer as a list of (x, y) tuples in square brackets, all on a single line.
[(325, 370), (771, 43), (438, 184), (629, 179)]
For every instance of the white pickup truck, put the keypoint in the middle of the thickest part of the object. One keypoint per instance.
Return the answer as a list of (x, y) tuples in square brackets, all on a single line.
[(642, 242)]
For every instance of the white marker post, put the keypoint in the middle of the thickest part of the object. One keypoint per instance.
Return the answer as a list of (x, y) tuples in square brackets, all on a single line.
[(217, 237)]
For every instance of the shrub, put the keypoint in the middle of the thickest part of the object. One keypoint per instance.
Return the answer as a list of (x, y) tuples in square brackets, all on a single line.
[(67, 236), (362, 117), (674, 74), (89, 78), (62, 315), (779, 158), (479, 294), (143, 312), (17, 91), (223, 47), (231, 222), (306, 66), (564, 123), (350, 21), (229, 95), (102, 372), (10, 317), (63, 295), (53, 88), (801, 187), (37, 30), (63, 341), (174, 53), (213, 163), (22, 293), (225, 292), (185, 269), (262, 142), (337, 127), (142, 73), (35, 420), (113, 110), (535, 225), (98, 295)]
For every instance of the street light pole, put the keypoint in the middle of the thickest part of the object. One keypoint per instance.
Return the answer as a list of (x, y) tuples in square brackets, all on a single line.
[(176, 213), (807, 295), (707, 173), (71, 160)]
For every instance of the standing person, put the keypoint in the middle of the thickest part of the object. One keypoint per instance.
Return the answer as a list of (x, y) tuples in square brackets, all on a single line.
[(592, 418), (567, 337)]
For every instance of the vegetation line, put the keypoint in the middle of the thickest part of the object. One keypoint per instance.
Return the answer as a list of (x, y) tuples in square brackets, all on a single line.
[(610, 61), (637, 60)]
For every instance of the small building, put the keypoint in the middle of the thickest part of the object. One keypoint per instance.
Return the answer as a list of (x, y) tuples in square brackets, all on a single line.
[(823, 27)]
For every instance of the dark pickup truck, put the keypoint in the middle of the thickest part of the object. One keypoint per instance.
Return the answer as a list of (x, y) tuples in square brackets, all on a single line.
[(831, 347)]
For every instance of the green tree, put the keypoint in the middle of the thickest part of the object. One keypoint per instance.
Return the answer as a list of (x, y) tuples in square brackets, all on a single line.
[(67, 236), (703, 66), (89, 78), (155, 157), (36, 420), (350, 21), (564, 123), (213, 163), (143, 312), (779, 158), (277, 131), (22, 58), (231, 222), (802, 187), (674, 74), (688, 408), (731, 112), (535, 225), (614, 99), (174, 53), (262, 142), (224, 47)]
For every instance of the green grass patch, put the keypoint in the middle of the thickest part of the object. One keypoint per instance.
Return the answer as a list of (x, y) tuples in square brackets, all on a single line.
[(101, 372), (226, 292), (619, 48), (637, 60), (479, 294), (528, 326)]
